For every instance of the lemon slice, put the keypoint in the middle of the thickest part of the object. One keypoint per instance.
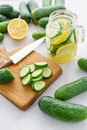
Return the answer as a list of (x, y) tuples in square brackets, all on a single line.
[(17, 28), (68, 50), (65, 23)]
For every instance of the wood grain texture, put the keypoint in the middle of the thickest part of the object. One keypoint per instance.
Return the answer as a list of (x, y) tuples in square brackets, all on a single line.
[(14, 91)]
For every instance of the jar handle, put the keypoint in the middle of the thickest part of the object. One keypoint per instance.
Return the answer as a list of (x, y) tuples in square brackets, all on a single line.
[(81, 32)]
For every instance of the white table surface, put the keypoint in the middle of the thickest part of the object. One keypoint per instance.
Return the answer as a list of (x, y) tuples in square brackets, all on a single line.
[(11, 118)]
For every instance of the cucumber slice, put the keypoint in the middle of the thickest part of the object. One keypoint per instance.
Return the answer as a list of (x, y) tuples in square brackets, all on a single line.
[(41, 64), (27, 80), (31, 67), (39, 85), (24, 71), (38, 78), (47, 72), (5, 75), (52, 31), (36, 73)]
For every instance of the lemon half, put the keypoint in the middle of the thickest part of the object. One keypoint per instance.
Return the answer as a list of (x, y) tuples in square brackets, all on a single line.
[(17, 28)]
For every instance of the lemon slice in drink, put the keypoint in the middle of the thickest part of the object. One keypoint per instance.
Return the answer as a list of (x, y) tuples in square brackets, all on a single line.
[(65, 23), (68, 50), (17, 28)]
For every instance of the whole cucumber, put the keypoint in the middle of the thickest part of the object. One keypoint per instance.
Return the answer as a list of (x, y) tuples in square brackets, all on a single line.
[(38, 34), (5, 9), (72, 89), (24, 12), (82, 63), (13, 14), (46, 3), (32, 5), (2, 18), (45, 11), (42, 22), (1, 37), (62, 110), (3, 26)]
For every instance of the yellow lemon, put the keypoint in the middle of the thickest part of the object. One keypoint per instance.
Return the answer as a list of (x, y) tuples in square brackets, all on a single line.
[(66, 52), (17, 28), (63, 36)]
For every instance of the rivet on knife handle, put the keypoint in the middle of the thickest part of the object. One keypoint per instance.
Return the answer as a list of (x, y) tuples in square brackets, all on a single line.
[(5, 62)]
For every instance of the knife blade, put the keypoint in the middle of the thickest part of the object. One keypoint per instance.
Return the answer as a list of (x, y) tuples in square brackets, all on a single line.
[(18, 56)]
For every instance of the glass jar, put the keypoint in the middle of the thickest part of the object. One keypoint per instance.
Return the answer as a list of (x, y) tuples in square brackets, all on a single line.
[(62, 35)]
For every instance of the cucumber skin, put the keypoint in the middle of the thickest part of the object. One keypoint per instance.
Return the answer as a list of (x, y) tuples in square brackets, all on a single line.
[(46, 3), (13, 14), (3, 26), (72, 89), (5, 76), (45, 11), (62, 110), (2, 18), (60, 2), (24, 12), (42, 22), (1, 37), (38, 34), (82, 63), (32, 5), (5, 9)]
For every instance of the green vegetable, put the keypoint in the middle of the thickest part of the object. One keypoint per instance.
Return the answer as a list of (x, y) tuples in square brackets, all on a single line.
[(3, 26), (72, 89), (2, 18), (41, 64), (43, 21), (27, 80), (45, 11), (39, 78), (62, 110), (13, 14), (24, 71), (24, 12), (82, 63), (39, 34), (32, 5), (38, 86), (47, 72), (60, 2), (46, 3), (33, 74), (5, 9), (37, 73), (31, 67), (5, 75), (1, 37)]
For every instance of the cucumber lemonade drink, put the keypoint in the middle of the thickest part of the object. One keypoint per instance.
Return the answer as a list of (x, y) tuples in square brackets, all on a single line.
[(62, 36)]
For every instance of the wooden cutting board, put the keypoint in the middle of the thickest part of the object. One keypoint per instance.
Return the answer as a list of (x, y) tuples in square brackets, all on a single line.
[(14, 91)]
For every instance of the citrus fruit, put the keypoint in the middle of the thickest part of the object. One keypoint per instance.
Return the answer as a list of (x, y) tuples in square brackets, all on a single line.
[(58, 39), (17, 28), (67, 50)]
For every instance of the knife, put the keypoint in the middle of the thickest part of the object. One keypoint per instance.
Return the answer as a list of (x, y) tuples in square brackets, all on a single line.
[(18, 56)]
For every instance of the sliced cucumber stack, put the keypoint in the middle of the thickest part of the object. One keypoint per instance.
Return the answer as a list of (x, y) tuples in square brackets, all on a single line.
[(33, 74)]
